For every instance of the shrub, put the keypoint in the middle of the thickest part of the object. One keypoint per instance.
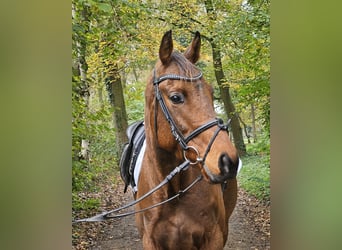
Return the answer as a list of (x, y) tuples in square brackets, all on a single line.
[(254, 177)]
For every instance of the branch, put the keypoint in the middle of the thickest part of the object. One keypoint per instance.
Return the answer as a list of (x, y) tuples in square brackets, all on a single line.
[(209, 39)]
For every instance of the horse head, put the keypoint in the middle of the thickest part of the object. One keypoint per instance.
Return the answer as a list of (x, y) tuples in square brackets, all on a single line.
[(180, 118)]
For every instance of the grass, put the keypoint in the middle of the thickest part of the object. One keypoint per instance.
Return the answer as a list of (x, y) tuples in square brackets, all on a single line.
[(254, 177)]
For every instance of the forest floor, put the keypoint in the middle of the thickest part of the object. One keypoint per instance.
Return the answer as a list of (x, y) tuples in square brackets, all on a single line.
[(249, 226)]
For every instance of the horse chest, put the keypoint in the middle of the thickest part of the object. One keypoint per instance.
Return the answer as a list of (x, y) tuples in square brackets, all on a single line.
[(207, 213), (184, 226)]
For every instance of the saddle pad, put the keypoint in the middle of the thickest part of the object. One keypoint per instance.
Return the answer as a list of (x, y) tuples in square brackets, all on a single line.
[(137, 167), (240, 166)]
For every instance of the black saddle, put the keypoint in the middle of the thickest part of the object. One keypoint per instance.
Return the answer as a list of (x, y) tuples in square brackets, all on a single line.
[(136, 136)]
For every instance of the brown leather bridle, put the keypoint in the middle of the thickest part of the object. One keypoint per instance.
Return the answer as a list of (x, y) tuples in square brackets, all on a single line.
[(179, 137)]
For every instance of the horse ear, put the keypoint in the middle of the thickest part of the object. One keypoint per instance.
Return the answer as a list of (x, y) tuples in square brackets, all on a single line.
[(166, 48), (193, 51)]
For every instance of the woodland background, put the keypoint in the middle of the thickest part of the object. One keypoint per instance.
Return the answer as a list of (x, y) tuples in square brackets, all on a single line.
[(36, 135), (114, 47)]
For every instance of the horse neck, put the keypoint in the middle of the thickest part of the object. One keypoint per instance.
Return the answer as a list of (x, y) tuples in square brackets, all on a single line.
[(162, 161)]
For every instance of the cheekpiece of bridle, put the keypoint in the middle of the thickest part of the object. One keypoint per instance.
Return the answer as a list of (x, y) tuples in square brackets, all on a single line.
[(180, 138)]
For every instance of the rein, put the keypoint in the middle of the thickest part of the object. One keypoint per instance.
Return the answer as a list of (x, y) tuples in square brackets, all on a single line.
[(106, 215)]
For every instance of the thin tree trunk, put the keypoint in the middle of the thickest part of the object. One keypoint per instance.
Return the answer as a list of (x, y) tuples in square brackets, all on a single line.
[(135, 74), (224, 89), (82, 68), (253, 122), (123, 79), (245, 129), (100, 95)]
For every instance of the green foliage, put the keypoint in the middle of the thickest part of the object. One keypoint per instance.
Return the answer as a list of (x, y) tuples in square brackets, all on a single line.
[(255, 176), (79, 203), (81, 178), (245, 40), (135, 101), (94, 124), (261, 147)]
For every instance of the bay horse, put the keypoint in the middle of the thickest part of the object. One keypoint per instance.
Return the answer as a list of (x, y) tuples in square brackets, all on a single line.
[(181, 126)]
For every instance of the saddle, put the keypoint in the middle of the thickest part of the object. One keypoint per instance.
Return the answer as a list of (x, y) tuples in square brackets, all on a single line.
[(136, 136)]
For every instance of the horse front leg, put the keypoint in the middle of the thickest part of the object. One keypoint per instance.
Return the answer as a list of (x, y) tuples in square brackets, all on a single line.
[(230, 199), (148, 243)]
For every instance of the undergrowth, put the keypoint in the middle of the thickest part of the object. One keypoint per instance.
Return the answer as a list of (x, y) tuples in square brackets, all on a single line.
[(254, 177)]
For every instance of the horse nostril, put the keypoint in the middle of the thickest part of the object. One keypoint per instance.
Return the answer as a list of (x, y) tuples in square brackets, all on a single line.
[(224, 163)]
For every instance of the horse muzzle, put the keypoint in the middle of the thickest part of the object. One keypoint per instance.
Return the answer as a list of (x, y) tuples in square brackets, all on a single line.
[(227, 169)]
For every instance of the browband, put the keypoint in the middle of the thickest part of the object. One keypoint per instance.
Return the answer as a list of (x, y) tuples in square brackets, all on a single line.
[(174, 77)]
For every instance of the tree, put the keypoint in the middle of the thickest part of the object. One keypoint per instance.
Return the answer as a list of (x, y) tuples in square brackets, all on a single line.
[(190, 17), (249, 60), (80, 15), (224, 88), (115, 91)]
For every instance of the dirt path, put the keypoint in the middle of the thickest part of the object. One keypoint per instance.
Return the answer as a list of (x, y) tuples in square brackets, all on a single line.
[(249, 227)]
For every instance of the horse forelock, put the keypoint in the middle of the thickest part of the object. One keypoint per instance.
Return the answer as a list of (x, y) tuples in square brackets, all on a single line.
[(183, 66)]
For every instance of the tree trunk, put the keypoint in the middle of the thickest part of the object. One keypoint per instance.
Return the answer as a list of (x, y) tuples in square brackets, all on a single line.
[(253, 122), (135, 74), (100, 95), (224, 89), (228, 104), (114, 87), (80, 68), (245, 128)]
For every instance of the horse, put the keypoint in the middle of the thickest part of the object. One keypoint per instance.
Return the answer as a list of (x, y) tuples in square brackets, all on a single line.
[(181, 126)]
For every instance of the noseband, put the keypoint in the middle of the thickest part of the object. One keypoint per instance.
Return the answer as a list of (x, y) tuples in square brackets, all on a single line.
[(180, 138)]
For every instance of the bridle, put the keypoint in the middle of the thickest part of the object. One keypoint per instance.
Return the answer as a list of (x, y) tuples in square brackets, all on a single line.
[(183, 142), (179, 137)]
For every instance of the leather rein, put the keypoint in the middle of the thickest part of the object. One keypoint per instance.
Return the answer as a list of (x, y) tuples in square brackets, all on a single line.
[(181, 139), (106, 215)]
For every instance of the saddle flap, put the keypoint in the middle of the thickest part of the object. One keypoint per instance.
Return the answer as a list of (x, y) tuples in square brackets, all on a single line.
[(133, 128), (136, 136)]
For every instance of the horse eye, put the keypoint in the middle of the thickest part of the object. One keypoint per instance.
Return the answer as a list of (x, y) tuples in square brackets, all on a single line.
[(177, 98)]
